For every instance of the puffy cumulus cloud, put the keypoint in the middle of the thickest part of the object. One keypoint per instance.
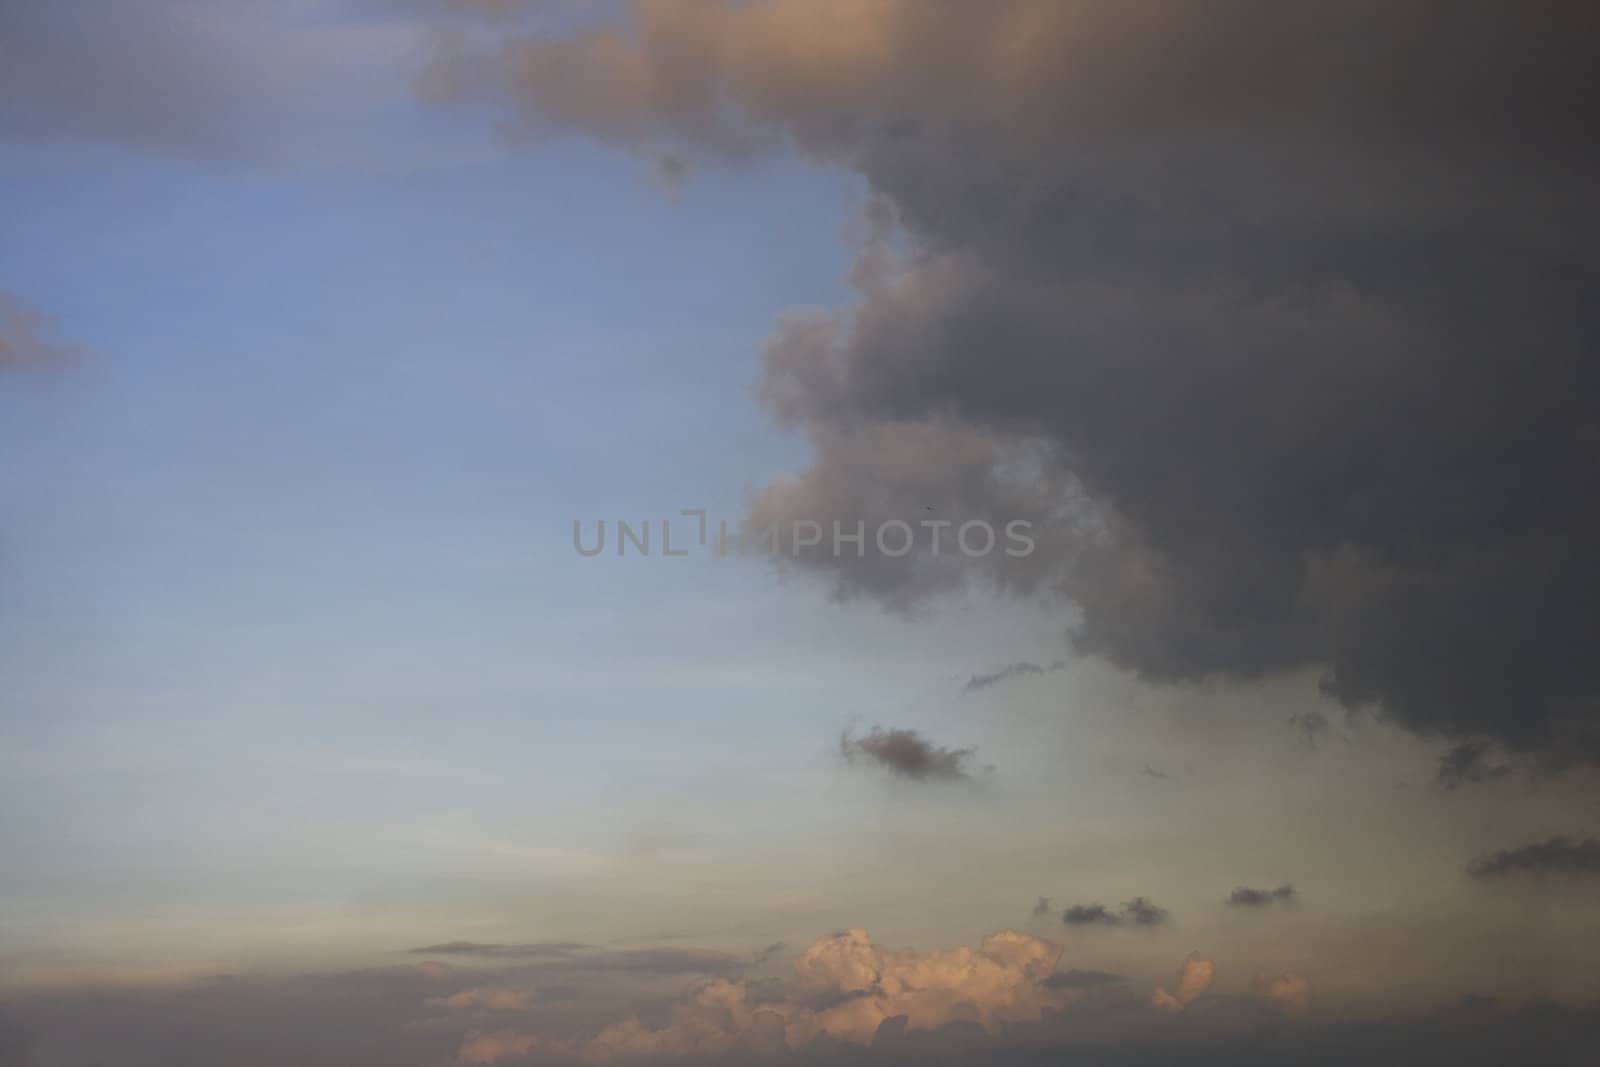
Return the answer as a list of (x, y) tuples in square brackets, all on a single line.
[(907, 754), (1194, 978), (844, 988), (26, 337), (1559, 855), (1245, 897), (1291, 992), (1275, 321)]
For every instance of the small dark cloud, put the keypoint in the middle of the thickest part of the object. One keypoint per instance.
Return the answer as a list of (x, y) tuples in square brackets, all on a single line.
[(1011, 670), (1137, 912), (1245, 897), (1076, 979), (1089, 915), (1142, 912), (535, 950), (1471, 762), (1559, 855), (1041, 907), (907, 754), (1151, 772)]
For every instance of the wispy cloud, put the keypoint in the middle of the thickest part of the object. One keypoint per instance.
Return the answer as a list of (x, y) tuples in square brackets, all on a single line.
[(481, 950), (1020, 669), (1558, 855)]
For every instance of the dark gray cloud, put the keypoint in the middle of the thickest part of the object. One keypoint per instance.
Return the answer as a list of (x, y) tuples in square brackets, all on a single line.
[(1559, 855), (1279, 326), (1042, 907), (1471, 762), (1137, 912), (1089, 915), (1011, 670), (1141, 912), (1079, 979), (538, 949), (27, 339), (907, 754), (1245, 897)]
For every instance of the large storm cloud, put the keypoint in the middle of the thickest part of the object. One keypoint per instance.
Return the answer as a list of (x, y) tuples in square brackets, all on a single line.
[(1275, 319)]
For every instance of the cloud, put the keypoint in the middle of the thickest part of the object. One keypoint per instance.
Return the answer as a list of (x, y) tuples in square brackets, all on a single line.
[(558, 949), (1141, 912), (1194, 978), (1012, 670), (487, 1000), (1089, 915), (1471, 762), (1245, 897), (1312, 727), (1559, 855), (1081, 979), (1286, 352), (907, 754), (844, 988), (771, 952), (1137, 912), (26, 337), (848, 1002), (1041, 907), (1291, 992), (666, 961)]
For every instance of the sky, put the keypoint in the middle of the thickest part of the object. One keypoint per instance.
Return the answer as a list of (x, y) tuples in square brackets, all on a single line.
[(333, 332)]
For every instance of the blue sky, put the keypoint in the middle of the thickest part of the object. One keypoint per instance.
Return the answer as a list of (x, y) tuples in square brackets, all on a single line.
[(289, 559)]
